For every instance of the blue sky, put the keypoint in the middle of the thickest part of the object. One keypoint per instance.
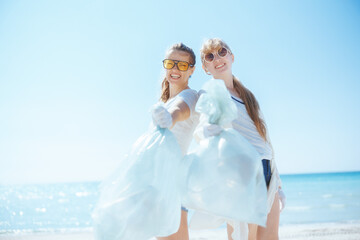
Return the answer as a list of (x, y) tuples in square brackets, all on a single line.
[(77, 79)]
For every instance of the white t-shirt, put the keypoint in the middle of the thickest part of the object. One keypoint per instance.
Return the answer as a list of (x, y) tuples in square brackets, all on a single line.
[(184, 130), (246, 127)]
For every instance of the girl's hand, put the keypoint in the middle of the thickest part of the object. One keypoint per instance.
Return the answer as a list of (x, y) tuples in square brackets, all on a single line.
[(161, 117), (210, 130), (282, 199)]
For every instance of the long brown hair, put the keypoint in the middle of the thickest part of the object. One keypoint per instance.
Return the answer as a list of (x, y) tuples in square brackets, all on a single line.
[(251, 104), (165, 89)]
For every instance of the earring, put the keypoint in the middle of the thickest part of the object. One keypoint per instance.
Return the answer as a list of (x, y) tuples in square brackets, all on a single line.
[(207, 72)]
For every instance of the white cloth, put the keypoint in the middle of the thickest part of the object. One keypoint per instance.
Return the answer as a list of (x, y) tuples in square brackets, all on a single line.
[(184, 130)]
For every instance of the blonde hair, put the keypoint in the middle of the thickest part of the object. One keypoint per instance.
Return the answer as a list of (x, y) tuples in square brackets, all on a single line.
[(165, 89), (251, 104)]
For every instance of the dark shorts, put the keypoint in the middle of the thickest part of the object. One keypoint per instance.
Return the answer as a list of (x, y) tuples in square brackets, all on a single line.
[(267, 171)]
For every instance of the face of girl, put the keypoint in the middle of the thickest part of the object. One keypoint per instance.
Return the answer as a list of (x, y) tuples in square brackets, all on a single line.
[(220, 66), (174, 75)]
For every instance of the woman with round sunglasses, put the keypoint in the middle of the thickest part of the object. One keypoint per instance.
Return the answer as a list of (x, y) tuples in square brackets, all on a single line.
[(217, 60), (175, 110)]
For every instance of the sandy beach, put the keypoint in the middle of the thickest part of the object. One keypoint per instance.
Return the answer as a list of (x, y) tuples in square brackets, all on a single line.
[(321, 231)]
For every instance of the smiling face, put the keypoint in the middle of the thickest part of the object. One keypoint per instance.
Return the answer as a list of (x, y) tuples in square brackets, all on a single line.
[(174, 75), (219, 66), (221, 60)]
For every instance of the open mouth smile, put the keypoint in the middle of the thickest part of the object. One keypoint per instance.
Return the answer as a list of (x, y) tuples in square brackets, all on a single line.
[(220, 66), (174, 76)]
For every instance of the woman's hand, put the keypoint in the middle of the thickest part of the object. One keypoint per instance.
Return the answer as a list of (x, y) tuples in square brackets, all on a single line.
[(282, 199), (210, 130), (161, 117)]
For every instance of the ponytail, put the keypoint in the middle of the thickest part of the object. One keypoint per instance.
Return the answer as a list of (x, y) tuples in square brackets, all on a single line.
[(165, 91), (252, 106)]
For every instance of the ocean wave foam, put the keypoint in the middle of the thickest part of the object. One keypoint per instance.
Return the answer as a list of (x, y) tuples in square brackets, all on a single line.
[(298, 208), (334, 205)]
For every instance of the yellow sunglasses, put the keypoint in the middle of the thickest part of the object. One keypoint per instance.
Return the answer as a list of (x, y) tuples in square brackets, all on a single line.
[(181, 65)]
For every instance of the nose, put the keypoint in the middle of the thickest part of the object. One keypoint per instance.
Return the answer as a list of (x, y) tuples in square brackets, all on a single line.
[(216, 57), (175, 67)]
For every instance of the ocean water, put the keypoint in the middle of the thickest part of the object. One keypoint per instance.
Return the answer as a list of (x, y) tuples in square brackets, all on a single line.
[(311, 198), (323, 197)]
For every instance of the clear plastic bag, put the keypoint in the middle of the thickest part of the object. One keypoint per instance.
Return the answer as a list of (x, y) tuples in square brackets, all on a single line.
[(223, 176), (141, 198)]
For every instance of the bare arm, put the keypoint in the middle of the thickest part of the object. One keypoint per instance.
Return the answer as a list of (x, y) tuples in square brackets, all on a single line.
[(180, 111)]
